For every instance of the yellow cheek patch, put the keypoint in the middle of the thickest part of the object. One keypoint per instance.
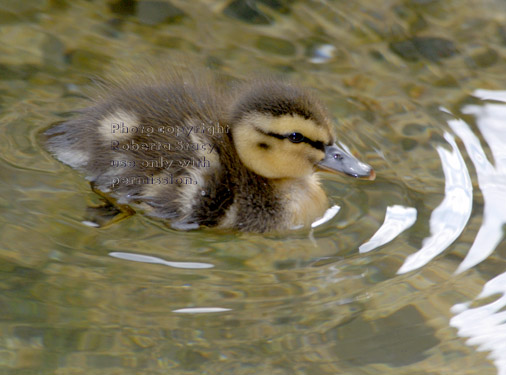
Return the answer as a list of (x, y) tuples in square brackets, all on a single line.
[(281, 159)]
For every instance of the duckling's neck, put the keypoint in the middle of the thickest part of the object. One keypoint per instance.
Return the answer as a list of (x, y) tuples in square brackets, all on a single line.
[(303, 198)]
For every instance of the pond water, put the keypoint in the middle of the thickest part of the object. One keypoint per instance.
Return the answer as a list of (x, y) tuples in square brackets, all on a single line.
[(407, 278)]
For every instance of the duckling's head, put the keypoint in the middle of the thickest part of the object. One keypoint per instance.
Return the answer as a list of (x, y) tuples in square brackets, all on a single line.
[(282, 131)]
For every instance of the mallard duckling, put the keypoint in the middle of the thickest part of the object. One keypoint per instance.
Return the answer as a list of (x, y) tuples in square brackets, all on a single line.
[(188, 151)]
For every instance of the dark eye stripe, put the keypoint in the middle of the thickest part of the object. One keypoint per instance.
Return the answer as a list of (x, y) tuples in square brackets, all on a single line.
[(316, 144), (319, 145)]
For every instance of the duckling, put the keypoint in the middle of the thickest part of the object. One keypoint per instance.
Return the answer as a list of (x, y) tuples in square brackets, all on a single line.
[(197, 154)]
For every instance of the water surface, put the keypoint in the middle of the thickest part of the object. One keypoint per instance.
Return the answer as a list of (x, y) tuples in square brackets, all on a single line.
[(406, 278)]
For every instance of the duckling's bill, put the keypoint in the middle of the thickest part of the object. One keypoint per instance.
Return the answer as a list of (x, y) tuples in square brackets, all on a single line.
[(338, 160)]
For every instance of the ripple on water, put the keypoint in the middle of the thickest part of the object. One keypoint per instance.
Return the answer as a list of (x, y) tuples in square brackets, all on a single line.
[(449, 219), (485, 325), (491, 174)]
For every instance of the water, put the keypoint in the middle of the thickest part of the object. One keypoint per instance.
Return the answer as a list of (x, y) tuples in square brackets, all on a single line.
[(406, 278)]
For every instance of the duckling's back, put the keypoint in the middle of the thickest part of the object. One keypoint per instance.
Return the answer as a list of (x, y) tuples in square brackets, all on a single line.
[(157, 145)]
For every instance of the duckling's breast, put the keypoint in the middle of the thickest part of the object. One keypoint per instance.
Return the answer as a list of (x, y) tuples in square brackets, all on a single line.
[(304, 201), (266, 206)]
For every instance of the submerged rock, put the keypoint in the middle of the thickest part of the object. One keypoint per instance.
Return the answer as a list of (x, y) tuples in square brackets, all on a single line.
[(429, 48), (124, 7), (156, 12), (482, 57), (248, 11), (362, 341)]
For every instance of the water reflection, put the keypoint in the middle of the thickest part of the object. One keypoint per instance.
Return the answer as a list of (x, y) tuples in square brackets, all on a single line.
[(492, 179), (449, 219), (323, 53), (397, 220), (150, 259), (329, 214), (486, 325), (201, 310)]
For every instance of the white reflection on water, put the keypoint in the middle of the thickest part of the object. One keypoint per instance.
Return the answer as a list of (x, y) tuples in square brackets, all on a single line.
[(491, 120), (200, 310), (329, 214), (449, 219), (490, 95), (485, 325), (397, 220), (150, 259)]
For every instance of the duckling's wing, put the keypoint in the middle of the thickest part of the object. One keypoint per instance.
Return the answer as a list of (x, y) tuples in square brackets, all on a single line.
[(141, 145)]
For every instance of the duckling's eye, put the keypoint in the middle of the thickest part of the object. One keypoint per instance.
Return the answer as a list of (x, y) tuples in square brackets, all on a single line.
[(296, 137)]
